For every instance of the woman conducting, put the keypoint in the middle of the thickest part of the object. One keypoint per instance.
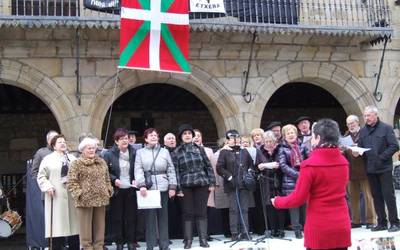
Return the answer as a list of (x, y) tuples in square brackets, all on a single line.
[(322, 183)]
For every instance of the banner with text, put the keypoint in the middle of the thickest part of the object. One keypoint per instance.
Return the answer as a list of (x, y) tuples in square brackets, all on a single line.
[(215, 6)]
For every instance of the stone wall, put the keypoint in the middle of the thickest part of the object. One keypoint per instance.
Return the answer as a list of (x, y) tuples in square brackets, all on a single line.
[(20, 136), (41, 60)]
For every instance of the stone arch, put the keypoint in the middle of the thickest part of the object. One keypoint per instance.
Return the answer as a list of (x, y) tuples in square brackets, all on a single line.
[(32, 80), (350, 92), (393, 100), (208, 89)]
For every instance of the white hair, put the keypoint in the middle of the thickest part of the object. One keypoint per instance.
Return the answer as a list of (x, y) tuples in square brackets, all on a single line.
[(269, 135), (352, 118), (371, 109), (87, 141), (168, 135)]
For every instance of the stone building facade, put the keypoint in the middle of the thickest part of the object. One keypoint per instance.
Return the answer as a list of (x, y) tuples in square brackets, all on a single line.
[(39, 56)]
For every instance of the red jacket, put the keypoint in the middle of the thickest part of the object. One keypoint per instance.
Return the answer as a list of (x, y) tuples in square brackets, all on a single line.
[(322, 184)]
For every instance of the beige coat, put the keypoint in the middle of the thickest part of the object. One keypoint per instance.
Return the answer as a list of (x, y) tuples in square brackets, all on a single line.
[(217, 198), (65, 218)]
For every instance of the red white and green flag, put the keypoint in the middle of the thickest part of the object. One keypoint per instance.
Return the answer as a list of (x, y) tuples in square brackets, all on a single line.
[(155, 35)]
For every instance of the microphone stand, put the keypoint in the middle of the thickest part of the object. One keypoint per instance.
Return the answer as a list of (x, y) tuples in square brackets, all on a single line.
[(239, 207), (267, 234)]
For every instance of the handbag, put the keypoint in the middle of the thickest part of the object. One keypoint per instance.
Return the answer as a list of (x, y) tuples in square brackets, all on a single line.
[(249, 179), (249, 176), (147, 174)]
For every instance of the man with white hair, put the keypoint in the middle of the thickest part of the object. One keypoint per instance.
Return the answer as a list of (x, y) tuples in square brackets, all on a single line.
[(41, 153), (358, 179), (379, 137)]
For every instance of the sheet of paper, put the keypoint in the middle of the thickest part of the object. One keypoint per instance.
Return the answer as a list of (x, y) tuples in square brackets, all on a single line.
[(270, 165), (346, 141), (152, 199), (359, 150)]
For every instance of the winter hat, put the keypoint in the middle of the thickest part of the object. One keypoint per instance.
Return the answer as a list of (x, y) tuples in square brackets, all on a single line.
[(183, 128), (231, 133), (302, 118), (273, 124)]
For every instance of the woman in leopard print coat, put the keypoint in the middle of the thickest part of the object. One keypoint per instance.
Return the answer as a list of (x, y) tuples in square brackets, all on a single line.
[(90, 187)]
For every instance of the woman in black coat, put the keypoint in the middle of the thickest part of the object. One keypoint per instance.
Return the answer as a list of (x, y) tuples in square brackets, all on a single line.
[(271, 183), (121, 165), (233, 162)]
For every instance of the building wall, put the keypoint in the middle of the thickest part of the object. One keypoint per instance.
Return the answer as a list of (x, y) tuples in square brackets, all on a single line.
[(42, 61)]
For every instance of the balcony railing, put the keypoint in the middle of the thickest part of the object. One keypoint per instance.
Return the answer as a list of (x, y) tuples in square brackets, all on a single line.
[(333, 14)]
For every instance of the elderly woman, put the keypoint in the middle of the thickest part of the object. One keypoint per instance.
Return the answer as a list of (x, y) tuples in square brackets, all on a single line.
[(90, 186), (271, 181), (52, 177), (322, 183), (291, 154), (154, 161), (196, 177), (121, 166)]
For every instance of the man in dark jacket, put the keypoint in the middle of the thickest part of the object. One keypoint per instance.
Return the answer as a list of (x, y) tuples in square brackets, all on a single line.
[(380, 139), (41, 153)]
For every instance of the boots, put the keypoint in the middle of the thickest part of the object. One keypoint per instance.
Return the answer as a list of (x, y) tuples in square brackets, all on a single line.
[(187, 234), (202, 231)]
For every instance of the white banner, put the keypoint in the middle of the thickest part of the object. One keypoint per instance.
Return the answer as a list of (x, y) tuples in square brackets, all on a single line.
[(216, 6)]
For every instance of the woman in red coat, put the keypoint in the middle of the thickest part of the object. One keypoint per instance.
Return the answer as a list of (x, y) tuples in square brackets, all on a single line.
[(322, 184)]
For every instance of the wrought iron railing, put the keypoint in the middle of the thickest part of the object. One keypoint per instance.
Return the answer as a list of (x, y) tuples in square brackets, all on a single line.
[(327, 13)]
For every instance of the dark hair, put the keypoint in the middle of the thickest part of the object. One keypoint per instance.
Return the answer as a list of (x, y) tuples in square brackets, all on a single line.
[(149, 131), (328, 131), (120, 132), (54, 140)]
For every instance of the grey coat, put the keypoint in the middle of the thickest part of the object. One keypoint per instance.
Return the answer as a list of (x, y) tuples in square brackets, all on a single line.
[(37, 159), (163, 173)]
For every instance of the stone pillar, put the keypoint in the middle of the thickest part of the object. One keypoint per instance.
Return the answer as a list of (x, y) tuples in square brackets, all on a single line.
[(5, 7)]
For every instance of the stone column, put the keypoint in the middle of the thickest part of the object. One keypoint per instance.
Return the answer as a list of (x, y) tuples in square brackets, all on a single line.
[(5, 7)]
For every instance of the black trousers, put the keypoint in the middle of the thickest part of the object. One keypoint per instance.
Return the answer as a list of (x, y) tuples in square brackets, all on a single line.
[(175, 218), (276, 218), (157, 221), (123, 216), (72, 241), (383, 193), (194, 203)]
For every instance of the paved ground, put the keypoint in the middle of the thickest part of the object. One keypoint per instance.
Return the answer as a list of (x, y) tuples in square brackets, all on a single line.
[(362, 238)]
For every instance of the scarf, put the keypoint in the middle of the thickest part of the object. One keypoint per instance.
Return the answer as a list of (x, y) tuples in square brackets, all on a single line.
[(64, 168), (295, 155)]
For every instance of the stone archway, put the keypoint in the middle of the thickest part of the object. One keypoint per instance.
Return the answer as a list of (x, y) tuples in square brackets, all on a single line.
[(32, 80), (208, 89), (349, 91), (393, 105)]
